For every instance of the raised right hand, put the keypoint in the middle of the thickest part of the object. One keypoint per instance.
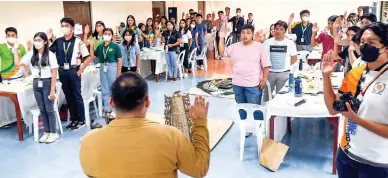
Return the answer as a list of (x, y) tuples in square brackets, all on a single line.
[(200, 108), (328, 63), (315, 28), (291, 19)]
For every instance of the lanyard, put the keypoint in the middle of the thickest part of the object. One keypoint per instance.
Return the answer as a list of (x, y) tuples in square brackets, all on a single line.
[(129, 53), (40, 67), (66, 49), (304, 29), (105, 53)]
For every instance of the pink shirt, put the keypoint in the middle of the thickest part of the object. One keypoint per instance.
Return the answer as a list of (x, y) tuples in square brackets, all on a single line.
[(248, 63)]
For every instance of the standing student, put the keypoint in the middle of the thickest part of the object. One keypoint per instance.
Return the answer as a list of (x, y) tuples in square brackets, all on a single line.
[(44, 68), (221, 27), (282, 54), (209, 23), (9, 51), (69, 50), (149, 31), (131, 25), (201, 30), (194, 35), (96, 36), (303, 31), (237, 23), (130, 51), (362, 151), (326, 39), (117, 36), (109, 55), (250, 20), (163, 24), (143, 40), (186, 41), (367, 19), (172, 39), (250, 67)]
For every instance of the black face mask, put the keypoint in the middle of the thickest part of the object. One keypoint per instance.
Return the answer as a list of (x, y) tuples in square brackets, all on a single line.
[(369, 53)]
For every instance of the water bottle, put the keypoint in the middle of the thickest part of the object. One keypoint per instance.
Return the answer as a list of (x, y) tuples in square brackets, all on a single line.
[(137, 39), (291, 83), (300, 65), (298, 87)]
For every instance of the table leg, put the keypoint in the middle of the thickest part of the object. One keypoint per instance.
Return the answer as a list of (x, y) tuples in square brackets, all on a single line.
[(18, 117), (272, 127), (289, 124), (334, 121), (156, 78)]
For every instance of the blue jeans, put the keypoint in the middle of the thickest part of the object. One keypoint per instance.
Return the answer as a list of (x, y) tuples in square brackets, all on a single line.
[(251, 95), (348, 168), (106, 79), (46, 106), (171, 64)]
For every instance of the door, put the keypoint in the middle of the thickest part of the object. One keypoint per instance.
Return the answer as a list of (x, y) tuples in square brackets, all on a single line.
[(155, 12), (79, 11), (202, 8), (158, 9)]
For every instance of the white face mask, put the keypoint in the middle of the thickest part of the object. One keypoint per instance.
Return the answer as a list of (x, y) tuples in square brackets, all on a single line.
[(65, 30), (192, 26), (107, 37), (38, 45), (128, 38), (11, 40), (238, 14), (305, 18)]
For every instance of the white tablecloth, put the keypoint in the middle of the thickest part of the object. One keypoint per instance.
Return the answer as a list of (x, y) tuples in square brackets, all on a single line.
[(145, 65), (315, 54), (282, 105)]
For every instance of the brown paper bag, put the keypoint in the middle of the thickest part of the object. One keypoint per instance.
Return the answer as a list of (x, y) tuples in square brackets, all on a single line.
[(272, 154)]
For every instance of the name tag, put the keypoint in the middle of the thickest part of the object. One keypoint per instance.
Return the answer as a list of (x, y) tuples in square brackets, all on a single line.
[(105, 68), (66, 66), (40, 84), (302, 40), (235, 29), (166, 48)]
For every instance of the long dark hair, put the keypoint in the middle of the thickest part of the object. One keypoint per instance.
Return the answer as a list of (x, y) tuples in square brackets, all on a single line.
[(173, 26), (185, 29), (152, 24), (270, 35), (95, 33), (165, 18), (133, 40), (134, 21), (45, 55)]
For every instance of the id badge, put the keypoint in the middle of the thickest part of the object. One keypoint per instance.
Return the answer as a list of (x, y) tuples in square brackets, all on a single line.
[(235, 29), (166, 48), (78, 61), (40, 84), (66, 66), (105, 68), (302, 40)]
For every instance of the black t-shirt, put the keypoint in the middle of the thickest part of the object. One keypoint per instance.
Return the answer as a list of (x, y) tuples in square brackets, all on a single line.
[(344, 54), (172, 39)]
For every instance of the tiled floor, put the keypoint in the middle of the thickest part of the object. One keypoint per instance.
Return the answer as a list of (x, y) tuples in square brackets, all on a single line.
[(309, 155)]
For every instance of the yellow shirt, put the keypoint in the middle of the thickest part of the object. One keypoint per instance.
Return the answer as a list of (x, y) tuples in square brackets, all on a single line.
[(141, 148)]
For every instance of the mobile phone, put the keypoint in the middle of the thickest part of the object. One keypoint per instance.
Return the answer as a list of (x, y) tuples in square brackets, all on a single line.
[(300, 102)]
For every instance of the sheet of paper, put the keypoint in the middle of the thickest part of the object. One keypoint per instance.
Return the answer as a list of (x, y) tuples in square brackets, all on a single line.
[(78, 29)]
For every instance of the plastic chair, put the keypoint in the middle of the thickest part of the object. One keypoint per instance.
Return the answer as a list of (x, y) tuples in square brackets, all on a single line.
[(192, 59), (203, 57), (216, 50), (260, 122), (36, 113), (180, 59), (229, 41)]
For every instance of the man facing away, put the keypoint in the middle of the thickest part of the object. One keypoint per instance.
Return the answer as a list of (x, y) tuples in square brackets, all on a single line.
[(132, 146)]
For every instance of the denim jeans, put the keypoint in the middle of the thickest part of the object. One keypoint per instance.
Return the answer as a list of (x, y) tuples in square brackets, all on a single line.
[(348, 168), (251, 95), (46, 106), (172, 64), (106, 79)]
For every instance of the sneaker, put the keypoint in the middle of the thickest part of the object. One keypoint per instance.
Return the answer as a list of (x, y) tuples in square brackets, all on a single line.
[(52, 138), (44, 137), (202, 67), (72, 124), (78, 125), (95, 125), (247, 134), (185, 75)]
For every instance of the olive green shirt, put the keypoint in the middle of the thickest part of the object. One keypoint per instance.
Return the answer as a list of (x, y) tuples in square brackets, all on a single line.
[(108, 54), (8, 67), (98, 41)]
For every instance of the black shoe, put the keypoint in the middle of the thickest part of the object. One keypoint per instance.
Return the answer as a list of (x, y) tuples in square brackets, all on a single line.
[(95, 125), (78, 125), (72, 124), (6, 126)]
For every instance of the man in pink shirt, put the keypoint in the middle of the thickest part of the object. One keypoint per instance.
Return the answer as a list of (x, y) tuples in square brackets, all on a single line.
[(250, 67)]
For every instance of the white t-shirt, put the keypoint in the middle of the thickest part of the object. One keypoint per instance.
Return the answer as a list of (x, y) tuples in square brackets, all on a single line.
[(46, 70), (280, 53), (186, 37), (358, 62), (367, 146)]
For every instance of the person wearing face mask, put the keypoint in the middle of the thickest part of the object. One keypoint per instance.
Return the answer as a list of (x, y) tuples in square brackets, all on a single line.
[(130, 51), (302, 30), (9, 51), (186, 41), (221, 26), (363, 148), (96, 36), (237, 23), (131, 24), (282, 53), (194, 35), (44, 68), (109, 55), (70, 51)]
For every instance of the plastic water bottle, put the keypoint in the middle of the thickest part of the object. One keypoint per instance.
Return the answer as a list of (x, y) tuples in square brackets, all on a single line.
[(298, 87), (291, 83)]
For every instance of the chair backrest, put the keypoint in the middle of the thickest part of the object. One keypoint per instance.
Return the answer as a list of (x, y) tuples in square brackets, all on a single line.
[(203, 53), (181, 57), (89, 83), (251, 108), (192, 55), (215, 46), (229, 41), (269, 89), (58, 89)]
